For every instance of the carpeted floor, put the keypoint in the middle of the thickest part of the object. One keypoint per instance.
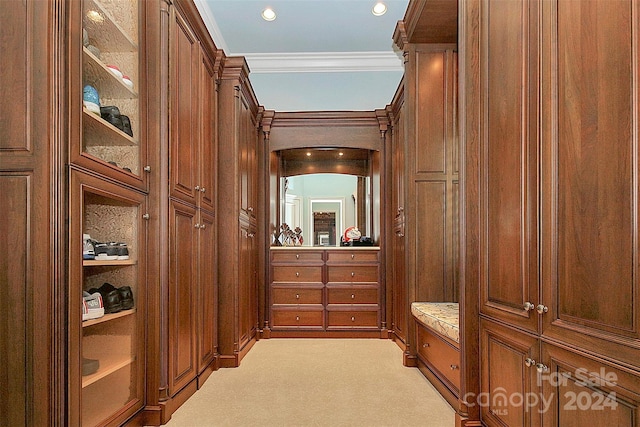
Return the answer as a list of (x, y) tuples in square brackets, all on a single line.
[(317, 382)]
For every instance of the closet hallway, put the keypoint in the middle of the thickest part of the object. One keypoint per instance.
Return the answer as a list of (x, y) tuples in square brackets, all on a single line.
[(317, 382)]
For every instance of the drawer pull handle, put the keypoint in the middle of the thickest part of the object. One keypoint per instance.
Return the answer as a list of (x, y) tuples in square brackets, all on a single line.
[(454, 367), (297, 274), (353, 256), (297, 296), (353, 274), (353, 319), (425, 345), (297, 256), (353, 296), (297, 318)]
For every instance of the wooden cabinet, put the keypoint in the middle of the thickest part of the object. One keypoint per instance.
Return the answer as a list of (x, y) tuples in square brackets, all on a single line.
[(192, 237), (553, 180), (424, 178), (237, 220), (314, 290), (441, 355)]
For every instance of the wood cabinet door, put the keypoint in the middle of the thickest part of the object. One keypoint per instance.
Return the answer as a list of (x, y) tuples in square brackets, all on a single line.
[(509, 394), (580, 391), (247, 307), (184, 106), (208, 97), (207, 284), (508, 162), (590, 191), (400, 301), (244, 120), (183, 279)]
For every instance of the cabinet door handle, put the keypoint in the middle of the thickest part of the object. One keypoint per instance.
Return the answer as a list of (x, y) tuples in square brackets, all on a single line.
[(147, 169), (542, 368), (250, 209), (425, 345), (202, 189), (250, 234), (528, 306), (542, 309), (197, 225), (454, 367), (203, 226), (197, 188), (146, 216), (529, 362)]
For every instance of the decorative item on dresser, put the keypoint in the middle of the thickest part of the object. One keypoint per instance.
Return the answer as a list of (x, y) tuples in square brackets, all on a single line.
[(321, 293)]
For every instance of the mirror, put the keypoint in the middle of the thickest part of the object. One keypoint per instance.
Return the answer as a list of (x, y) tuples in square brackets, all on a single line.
[(324, 191)]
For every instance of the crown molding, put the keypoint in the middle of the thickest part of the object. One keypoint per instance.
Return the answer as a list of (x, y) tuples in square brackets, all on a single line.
[(211, 24), (323, 62)]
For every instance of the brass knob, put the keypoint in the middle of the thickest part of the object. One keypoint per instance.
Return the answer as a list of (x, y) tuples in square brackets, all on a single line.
[(145, 216), (297, 256), (297, 296), (353, 274), (250, 209), (542, 368), (353, 319), (529, 362), (147, 168), (196, 226), (197, 188), (454, 367), (353, 296), (528, 306), (353, 256), (425, 345), (297, 274), (542, 308), (297, 317)]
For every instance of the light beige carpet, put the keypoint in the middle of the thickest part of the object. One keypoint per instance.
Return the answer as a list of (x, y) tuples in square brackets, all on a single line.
[(317, 382)]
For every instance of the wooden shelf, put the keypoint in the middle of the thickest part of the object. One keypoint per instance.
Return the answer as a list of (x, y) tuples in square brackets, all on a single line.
[(99, 132), (105, 31), (101, 263), (108, 365), (97, 74), (108, 317)]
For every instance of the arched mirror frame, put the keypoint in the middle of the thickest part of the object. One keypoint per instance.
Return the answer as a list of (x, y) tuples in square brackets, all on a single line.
[(321, 131)]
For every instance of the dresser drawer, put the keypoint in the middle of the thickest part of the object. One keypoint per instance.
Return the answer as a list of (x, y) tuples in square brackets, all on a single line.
[(352, 319), (347, 256), (295, 256), (298, 318), (352, 295), (440, 354), (297, 295), (297, 274), (353, 273)]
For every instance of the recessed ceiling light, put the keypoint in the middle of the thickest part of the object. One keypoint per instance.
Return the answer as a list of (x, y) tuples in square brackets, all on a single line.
[(268, 14), (379, 9)]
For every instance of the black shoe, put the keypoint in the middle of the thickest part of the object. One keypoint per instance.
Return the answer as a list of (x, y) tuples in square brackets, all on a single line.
[(110, 298), (126, 125), (111, 114), (123, 250), (105, 251), (126, 297)]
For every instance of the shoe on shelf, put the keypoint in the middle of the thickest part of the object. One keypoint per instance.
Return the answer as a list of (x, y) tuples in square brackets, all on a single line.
[(90, 99), (115, 70), (92, 307), (126, 125), (127, 80), (126, 297), (105, 251), (87, 247), (112, 115), (110, 297), (123, 251), (89, 366)]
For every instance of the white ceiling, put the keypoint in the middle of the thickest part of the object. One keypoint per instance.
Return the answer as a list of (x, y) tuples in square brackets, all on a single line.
[(316, 55)]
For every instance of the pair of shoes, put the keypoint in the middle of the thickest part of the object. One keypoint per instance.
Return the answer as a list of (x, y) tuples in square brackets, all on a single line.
[(90, 99), (112, 115), (111, 251), (116, 71), (115, 299), (92, 306), (89, 366), (87, 247)]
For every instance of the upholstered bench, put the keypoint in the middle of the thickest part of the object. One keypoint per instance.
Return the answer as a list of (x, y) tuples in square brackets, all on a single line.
[(438, 345)]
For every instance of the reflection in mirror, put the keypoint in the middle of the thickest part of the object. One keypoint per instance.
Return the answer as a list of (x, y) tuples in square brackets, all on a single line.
[(341, 181)]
